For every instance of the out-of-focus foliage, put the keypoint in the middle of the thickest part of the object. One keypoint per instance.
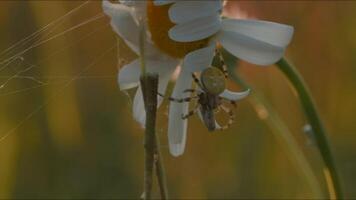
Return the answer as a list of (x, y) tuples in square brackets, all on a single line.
[(71, 133)]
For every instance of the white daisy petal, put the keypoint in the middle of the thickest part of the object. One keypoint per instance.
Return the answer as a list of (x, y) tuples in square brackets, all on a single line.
[(177, 127), (250, 49), (133, 3), (139, 108), (269, 32), (129, 75), (123, 23), (184, 11), (197, 29), (234, 96), (130, 2), (163, 2), (200, 59)]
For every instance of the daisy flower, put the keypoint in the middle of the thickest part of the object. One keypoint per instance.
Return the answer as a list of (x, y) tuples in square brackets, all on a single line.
[(187, 33)]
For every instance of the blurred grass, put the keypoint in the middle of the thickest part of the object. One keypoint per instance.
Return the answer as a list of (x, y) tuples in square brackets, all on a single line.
[(85, 144)]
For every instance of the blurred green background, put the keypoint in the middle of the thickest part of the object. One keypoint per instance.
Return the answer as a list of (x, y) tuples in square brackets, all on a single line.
[(67, 131)]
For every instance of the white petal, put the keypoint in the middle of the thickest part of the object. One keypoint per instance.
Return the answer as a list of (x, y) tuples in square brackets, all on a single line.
[(129, 75), (139, 108), (177, 127), (123, 22), (163, 2), (137, 4), (197, 29), (234, 96), (130, 2), (184, 11), (250, 49), (200, 59), (269, 32)]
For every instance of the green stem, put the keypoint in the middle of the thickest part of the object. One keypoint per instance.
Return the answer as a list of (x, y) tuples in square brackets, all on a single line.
[(149, 85), (312, 115), (282, 134), (160, 173), (153, 157), (278, 128), (141, 39)]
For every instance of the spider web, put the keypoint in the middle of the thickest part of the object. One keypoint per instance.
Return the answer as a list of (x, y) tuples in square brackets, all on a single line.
[(15, 64)]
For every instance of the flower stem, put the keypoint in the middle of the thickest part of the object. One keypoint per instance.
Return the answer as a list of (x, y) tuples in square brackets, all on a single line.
[(141, 39), (149, 84), (312, 115), (278, 128), (283, 134), (160, 172)]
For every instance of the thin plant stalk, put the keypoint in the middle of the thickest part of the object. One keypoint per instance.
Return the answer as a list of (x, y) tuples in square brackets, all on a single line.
[(149, 85), (311, 113), (278, 128), (283, 134), (160, 172), (153, 158), (142, 38)]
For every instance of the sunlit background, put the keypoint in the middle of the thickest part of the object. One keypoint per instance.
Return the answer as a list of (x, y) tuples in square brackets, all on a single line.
[(68, 132)]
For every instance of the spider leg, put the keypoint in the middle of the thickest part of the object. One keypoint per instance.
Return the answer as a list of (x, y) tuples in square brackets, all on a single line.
[(233, 103), (196, 80), (218, 109), (188, 99), (190, 113), (182, 100), (231, 114), (190, 90), (224, 67)]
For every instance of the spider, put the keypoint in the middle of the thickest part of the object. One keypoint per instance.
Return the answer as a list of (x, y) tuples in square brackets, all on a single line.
[(211, 86)]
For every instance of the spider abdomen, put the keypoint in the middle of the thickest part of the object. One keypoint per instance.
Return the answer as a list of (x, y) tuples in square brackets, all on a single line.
[(208, 103), (213, 80)]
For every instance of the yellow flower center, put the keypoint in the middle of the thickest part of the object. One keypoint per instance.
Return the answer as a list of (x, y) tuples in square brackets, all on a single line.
[(159, 25)]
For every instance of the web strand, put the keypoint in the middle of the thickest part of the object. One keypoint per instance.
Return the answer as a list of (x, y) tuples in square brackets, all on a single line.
[(38, 32), (22, 60), (10, 56), (9, 60), (57, 94)]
